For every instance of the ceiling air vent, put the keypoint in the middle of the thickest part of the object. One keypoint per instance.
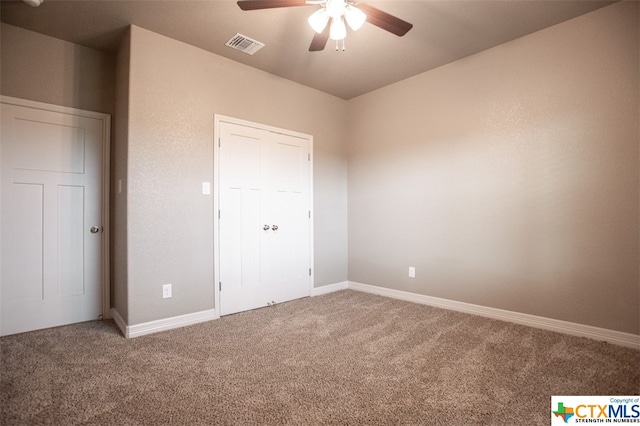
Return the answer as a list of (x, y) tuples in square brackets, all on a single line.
[(244, 44)]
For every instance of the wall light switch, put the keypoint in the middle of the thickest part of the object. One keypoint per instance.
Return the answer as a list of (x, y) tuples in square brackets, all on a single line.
[(166, 291), (206, 188), (412, 272)]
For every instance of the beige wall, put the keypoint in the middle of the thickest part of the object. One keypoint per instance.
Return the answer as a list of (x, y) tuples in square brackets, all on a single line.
[(175, 90), (119, 164), (46, 69), (509, 179)]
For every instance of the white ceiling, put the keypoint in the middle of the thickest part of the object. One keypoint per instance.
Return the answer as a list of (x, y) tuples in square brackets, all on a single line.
[(444, 31)]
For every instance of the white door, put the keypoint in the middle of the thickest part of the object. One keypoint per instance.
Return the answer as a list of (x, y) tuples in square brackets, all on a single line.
[(51, 199), (289, 246), (264, 217)]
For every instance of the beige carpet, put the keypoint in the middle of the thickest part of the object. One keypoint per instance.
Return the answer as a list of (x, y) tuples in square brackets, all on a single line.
[(343, 358)]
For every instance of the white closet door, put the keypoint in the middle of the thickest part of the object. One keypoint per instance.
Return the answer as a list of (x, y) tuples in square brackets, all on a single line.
[(51, 198), (242, 202), (289, 254), (264, 225)]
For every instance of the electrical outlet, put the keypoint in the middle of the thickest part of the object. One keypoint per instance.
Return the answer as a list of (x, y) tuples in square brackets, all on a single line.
[(166, 291), (412, 272)]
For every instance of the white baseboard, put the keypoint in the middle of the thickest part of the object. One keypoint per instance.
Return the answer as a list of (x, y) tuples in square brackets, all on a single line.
[(150, 327), (596, 333), (326, 289)]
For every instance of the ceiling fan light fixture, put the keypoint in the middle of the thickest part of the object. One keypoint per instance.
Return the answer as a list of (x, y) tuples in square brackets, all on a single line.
[(335, 8), (338, 11), (355, 17), (337, 31), (319, 20)]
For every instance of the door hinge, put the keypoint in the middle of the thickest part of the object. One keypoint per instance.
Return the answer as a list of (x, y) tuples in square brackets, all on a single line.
[(308, 157), (220, 286), (309, 214), (219, 143), (218, 214), (309, 271)]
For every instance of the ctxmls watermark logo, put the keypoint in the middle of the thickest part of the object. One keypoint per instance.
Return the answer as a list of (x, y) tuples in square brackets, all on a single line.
[(595, 409)]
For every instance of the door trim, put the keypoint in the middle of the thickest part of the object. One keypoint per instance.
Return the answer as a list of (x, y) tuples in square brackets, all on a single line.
[(217, 119), (106, 144)]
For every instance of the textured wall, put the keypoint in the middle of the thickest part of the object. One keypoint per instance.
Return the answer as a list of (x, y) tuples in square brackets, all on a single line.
[(46, 69), (175, 90), (509, 179), (119, 162)]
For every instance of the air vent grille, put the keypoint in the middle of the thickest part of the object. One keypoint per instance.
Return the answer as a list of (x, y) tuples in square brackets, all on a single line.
[(244, 44)]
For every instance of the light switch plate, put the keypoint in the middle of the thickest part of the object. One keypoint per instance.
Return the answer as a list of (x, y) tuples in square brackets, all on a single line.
[(206, 188), (166, 291)]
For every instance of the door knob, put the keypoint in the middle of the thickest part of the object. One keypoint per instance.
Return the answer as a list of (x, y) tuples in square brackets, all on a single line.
[(266, 227), (274, 227), (94, 229)]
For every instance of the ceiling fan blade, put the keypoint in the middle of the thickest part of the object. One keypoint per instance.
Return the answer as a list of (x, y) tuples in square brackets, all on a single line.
[(269, 4), (385, 21), (319, 40)]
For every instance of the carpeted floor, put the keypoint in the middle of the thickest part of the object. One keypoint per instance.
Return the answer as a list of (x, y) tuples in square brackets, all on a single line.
[(343, 358)]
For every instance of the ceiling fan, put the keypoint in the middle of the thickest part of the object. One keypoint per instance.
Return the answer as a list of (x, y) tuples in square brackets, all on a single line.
[(337, 11)]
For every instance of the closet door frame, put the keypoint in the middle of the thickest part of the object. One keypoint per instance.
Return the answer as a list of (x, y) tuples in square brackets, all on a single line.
[(218, 119)]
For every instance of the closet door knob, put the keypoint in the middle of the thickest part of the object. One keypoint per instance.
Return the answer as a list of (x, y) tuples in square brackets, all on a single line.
[(274, 227), (266, 227)]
